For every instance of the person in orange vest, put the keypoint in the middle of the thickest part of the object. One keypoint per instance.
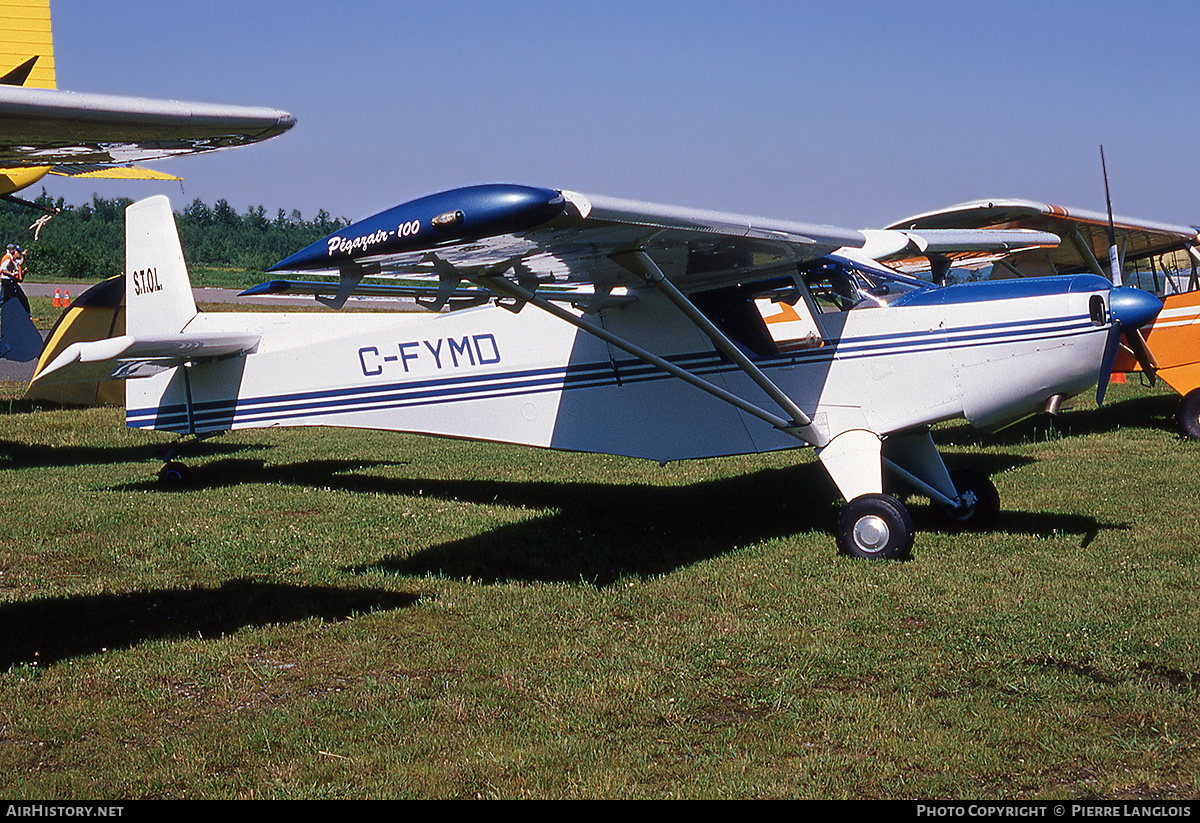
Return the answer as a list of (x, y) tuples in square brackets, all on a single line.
[(12, 272)]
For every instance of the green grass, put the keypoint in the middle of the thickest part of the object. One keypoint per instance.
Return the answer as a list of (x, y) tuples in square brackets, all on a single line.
[(343, 614)]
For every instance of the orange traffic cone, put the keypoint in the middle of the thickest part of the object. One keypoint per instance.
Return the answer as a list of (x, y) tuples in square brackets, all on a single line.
[(66, 298), (57, 299)]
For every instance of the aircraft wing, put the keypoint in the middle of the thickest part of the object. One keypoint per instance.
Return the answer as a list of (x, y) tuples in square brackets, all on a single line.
[(1084, 234), (96, 171), (49, 127), (562, 237), (545, 238), (917, 251)]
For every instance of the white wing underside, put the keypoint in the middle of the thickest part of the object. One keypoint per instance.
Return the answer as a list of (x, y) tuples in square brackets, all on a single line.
[(47, 127)]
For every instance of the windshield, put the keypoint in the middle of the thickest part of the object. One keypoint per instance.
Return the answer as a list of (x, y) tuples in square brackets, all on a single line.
[(839, 285)]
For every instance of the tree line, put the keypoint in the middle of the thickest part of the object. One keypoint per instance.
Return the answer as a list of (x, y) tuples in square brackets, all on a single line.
[(87, 242)]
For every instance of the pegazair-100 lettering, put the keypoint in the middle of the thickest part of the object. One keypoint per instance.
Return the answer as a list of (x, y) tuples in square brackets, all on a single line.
[(145, 281), (349, 245), (443, 353)]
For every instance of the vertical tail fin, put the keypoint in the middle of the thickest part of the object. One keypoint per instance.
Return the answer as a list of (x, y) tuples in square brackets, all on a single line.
[(158, 292), (26, 44)]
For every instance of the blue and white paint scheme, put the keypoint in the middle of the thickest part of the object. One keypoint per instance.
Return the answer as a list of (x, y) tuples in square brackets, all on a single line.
[(588, 323)]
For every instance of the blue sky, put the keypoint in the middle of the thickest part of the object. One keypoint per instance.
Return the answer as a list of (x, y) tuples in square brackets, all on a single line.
[(850, 113)]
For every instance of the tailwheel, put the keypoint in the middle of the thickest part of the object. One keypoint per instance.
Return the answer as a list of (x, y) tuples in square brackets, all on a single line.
[(1188, 415), (875, 526), (979, 502), (174, 475)]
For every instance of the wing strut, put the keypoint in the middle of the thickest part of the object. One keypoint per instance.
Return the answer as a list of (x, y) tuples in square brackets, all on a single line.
[(503, 286), (640, 263), (1085, 251)]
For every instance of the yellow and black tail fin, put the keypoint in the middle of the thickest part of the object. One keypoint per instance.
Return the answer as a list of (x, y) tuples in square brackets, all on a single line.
[(26, 44)]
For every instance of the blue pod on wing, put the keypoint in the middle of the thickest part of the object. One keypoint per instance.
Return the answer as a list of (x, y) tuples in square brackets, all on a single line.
[(459, 214)]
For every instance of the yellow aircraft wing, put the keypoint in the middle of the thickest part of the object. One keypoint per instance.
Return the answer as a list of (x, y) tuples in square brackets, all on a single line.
[(92, 171)]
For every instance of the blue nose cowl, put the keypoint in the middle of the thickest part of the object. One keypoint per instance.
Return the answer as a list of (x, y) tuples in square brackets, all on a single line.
[(1133, 308)]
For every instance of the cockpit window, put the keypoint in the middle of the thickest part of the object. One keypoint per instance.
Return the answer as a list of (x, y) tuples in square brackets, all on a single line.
[(837, 286)]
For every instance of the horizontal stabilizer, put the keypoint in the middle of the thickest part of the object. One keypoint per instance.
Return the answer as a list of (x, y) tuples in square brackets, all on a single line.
[(117, 358)]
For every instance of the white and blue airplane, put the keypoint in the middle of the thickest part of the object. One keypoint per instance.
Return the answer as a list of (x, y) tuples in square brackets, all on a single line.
[(601, 325)]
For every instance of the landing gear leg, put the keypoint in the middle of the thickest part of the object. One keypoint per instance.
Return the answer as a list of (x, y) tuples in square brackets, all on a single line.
[(964, 498), (174, 474), (978, 502), (873, 524)]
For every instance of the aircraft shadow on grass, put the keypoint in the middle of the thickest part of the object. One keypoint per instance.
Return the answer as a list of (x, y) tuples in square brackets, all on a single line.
[(14, 454), (599, 533), (596, 533), (48, 630)]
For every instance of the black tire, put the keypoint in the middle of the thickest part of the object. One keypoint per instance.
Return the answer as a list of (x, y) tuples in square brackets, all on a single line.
[(982, 506), (1187, 415), (877, 527), (174, 475)]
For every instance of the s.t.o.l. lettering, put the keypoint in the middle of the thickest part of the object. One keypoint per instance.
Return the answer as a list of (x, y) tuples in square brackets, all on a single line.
[(145, 281)]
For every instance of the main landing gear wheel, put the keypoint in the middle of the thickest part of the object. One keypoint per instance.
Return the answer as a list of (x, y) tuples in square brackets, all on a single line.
[(875, 526), (980, 504), (1188, 415)]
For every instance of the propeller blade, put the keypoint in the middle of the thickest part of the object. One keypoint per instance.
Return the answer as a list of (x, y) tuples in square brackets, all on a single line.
[(1114, 258), (1111, 347), (1136, 340)]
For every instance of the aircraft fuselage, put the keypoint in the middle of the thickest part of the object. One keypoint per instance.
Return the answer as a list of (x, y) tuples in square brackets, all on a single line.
[(975, 352)]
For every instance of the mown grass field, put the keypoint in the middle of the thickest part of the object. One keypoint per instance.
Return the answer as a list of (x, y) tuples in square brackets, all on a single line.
[(343, 614)]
